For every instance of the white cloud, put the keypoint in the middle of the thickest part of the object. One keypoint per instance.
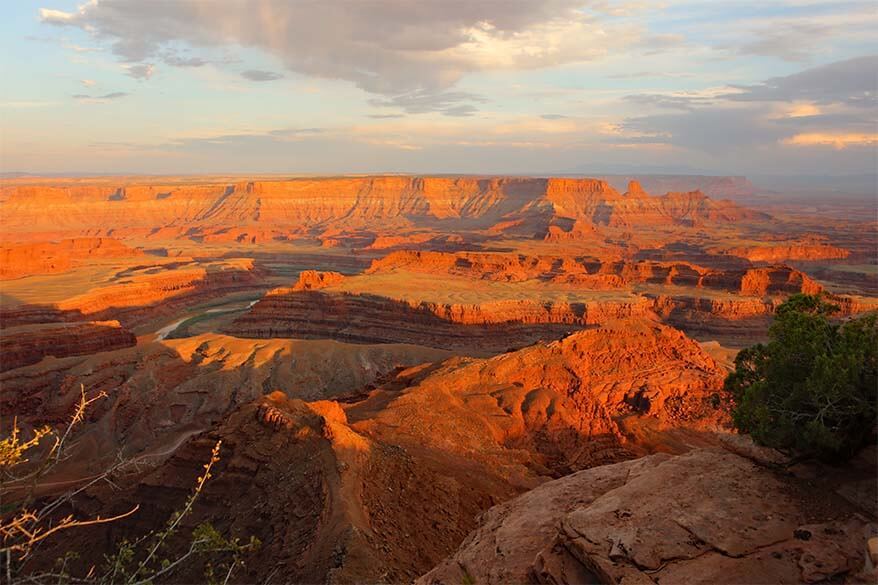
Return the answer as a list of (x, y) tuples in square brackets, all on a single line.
[(394, 48), (56, 16)]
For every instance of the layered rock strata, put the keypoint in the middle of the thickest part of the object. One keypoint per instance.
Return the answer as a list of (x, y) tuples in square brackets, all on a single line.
[(592, 273), (488, 327), (262, 209), (29, 344), (148, 293), (18, 260)]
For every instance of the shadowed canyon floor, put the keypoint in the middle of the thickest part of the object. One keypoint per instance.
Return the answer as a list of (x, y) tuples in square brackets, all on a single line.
[(457, 379)]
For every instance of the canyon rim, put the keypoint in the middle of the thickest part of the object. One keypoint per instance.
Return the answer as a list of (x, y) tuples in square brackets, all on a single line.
[(438, 292)]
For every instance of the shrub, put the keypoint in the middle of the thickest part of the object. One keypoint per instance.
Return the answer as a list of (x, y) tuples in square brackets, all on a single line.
[(26, 521), (813, 387)]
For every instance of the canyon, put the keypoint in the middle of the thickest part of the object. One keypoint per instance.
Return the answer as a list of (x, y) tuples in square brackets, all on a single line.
[(432, 379)]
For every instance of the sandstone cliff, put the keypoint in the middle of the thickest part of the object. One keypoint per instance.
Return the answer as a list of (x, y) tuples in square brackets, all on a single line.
[(315, 279), (594, 273), (488, 327), (144, 293), (793, 251), (19, 260), (29, 344), (280, 209)]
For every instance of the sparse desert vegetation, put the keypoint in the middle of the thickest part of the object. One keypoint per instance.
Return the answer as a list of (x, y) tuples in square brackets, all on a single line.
[(438, 292)]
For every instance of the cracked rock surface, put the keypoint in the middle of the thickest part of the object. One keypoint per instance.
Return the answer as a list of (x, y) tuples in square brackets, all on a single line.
[(707, 516)]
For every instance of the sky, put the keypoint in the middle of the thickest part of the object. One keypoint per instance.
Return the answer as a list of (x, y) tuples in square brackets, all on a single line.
[(766, 87)]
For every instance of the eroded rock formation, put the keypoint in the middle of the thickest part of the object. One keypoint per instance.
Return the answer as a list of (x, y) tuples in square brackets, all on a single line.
[(157, 391), (702, 517), (551, 407), (599, 274), (281, 209), (386, 483), (488, 327), (315, 279), (29, 344), (17, 260), (786, 252), (143, 293)]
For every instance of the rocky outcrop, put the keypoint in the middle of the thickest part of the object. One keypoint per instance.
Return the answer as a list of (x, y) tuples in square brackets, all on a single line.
[(598, 202), (709, 516), (774, 280), (786, 252), (329, 504), (160, 390), (686, 295), (553, 407), (576, 231), (735, 188), (314, 280), (416, 240), (18, 260), (29, 344), (143, 293), (853, 304), (384, 484), (593, 273), (488, 327), (690, 309)]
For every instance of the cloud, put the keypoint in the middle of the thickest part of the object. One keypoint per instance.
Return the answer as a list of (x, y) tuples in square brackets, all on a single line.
[(99, 99), (851, 82), (176, 60), (397, 49), (57, 16), (450, 103), (80, 49), (837, 141), (833, 105), (670, 101), (790, 43), (87, 82), (713, 130), (553, 116), (659, 43), (799, 32), (647, 74), (295, 133), (141, 71), (257, 75)]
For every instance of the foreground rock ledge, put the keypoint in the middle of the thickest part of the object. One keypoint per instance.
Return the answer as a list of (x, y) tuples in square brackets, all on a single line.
[(709, 516)]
